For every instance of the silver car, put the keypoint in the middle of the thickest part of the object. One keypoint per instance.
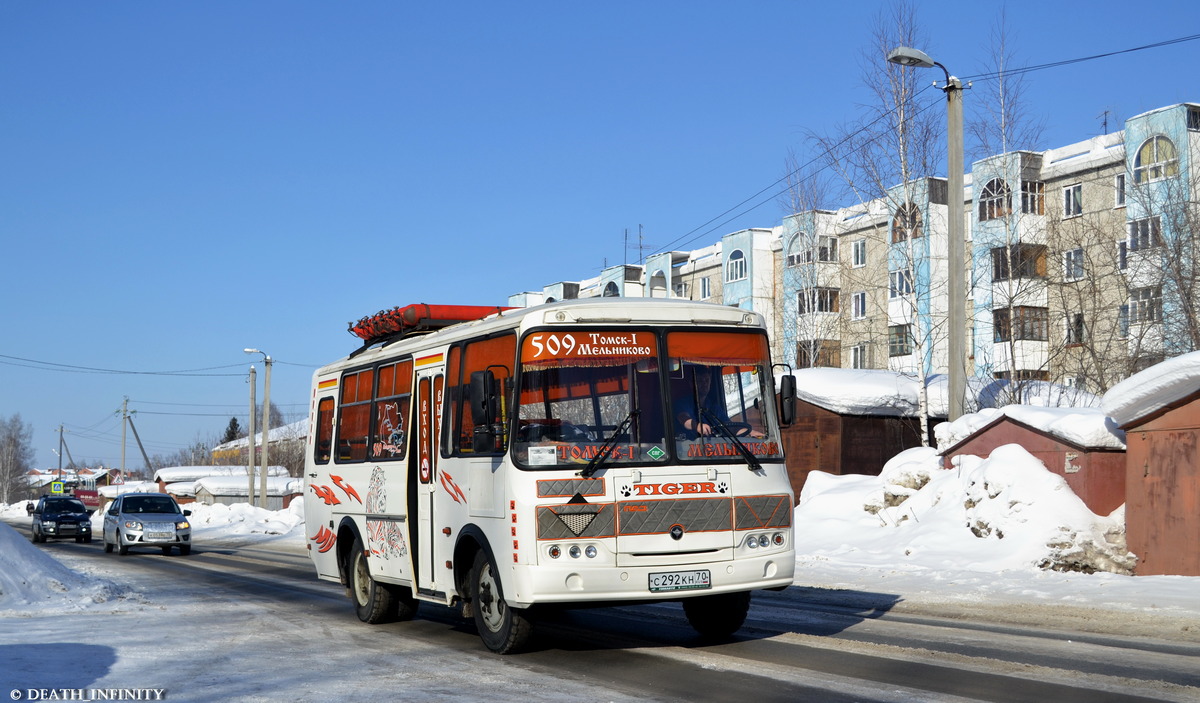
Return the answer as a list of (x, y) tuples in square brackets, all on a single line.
[(146, 520)]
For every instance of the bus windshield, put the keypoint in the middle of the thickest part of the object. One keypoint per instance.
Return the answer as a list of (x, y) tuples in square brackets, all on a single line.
[(627, 395)]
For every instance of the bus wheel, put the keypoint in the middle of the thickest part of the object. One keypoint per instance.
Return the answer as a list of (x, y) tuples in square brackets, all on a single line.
[(718, 615), (372, 601), (504, 630)]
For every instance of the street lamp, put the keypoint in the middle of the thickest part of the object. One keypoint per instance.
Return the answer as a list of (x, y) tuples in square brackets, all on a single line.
[(266, 425), (955, 249)]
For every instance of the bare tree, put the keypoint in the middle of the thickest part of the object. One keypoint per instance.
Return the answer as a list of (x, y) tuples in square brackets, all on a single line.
[(16, 458)]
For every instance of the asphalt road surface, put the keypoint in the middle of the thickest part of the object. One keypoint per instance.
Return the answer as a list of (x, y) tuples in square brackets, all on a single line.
[(250, 621)]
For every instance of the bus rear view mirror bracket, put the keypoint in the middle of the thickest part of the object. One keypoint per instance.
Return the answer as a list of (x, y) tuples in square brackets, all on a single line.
[(787, 397)]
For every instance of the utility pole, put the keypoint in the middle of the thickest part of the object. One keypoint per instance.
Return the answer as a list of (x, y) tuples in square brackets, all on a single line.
[(124, 421), (266, 444), (250, 461)]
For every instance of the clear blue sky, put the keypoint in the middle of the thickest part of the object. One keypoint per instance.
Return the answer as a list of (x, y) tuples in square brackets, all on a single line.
[(180, 180)]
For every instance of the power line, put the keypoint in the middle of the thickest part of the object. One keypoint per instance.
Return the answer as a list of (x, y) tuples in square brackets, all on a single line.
[(70, 368)]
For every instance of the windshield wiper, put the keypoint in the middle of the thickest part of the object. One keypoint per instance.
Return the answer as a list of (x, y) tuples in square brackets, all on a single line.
[(598, 461), (720, 424)]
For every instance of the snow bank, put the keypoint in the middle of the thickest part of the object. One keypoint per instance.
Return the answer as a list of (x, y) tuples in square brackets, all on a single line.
[(210, 521), (1085, 427), (1152, 390), (859, 391), (1006, 512), (33, 582)]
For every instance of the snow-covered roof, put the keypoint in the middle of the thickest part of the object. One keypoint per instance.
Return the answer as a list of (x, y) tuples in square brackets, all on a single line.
[(859, 391), (1154, 389), (294, 430), (171, 474), (893, 394), (1088, 428), (234, 486), (134, 487)]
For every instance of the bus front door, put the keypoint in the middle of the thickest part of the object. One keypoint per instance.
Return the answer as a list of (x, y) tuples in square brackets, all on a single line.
[(430, 384)]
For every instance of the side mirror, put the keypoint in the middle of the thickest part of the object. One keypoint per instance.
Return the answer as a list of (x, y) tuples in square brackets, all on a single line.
[(787, 400), (484, 411), (186, 513)]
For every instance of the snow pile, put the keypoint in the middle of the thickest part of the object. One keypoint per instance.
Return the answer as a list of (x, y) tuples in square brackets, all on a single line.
[(1005, 512), (33, 582), (1085, 427), (1155, 388), (244, 519)]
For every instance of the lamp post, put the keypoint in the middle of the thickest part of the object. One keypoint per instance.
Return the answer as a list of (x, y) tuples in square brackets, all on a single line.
[(955, 249), (266, 425)]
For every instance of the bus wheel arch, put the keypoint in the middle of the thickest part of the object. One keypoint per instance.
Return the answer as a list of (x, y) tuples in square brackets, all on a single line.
[(347, 535)]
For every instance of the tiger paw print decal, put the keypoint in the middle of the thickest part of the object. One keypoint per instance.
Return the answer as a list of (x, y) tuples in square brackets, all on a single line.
[(626, 491), (722, 487)]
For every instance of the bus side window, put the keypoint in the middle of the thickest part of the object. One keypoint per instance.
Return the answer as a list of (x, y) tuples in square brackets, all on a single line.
[(323, 445), (354, 417), (497, 356)]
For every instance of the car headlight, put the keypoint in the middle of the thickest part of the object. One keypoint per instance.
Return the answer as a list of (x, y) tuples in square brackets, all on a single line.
[(133, 525), (182, 525)]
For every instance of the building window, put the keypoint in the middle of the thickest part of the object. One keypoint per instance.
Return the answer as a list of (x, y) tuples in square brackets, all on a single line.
[(1020, 323), (906, 223), (795, 257), (1019, 261), (1119, 189), (1073, 264), (860, 356), (681, 289), (900, 283), (858, 306), (1156, 158), (827, 249), (819, 353), (995, 200), (1073, 200), (1122, 255), (1145, 233), (1123, 321), (818, 300), (611, 291), (858, 252), (705, 288), (1023, 375), (1193, 120), (735, 270), (1076, 330), (900, 340), (1145, 304), (1033, 197)]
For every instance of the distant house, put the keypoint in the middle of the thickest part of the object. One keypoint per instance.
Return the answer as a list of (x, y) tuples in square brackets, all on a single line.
[(227, 490), (1159, 409), (1083, 445), (285, 440)]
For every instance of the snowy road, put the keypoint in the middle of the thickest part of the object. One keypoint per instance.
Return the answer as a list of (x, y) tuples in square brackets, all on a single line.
[(247, 620)]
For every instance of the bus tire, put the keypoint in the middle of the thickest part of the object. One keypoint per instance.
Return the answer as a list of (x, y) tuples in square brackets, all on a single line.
[(372, 601), (719, 615), (504, 630)]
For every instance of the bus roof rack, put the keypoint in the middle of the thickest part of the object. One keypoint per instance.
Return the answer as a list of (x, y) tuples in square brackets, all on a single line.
[(418, 318)]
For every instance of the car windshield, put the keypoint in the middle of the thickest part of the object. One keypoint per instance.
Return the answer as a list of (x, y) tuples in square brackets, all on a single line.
[(149, 504), (64, 506), (584, 393)]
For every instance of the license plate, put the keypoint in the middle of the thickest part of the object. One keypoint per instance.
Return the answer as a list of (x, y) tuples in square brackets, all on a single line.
[(159, 535), (680, 581)]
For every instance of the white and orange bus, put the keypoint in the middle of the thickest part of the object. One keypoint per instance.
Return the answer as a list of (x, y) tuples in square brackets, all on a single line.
[(576, 453)]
